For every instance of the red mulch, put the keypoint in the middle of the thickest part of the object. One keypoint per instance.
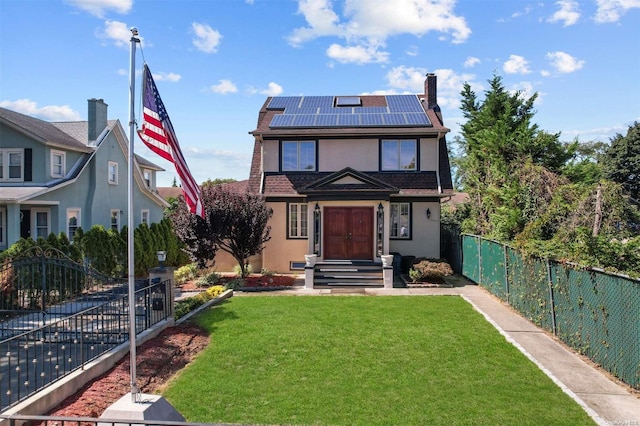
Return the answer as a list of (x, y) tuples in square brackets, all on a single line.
[(157, 360)]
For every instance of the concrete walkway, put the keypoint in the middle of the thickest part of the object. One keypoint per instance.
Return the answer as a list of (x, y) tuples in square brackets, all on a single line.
[(606, 401)]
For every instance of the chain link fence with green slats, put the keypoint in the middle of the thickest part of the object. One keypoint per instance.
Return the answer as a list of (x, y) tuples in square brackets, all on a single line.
[(595, 313)]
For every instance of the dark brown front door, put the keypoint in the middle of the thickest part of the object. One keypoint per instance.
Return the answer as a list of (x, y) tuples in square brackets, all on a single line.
[(348, 233)]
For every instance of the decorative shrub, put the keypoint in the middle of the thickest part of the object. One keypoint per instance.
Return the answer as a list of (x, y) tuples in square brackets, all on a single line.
[(238, 271), (215, 291), (235, 284), (209, 279), (430, 269), (184, 306), (185, 273)]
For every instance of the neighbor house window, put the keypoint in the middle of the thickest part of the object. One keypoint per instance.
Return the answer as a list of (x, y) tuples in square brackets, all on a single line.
[(398, 155), (57, 164), (298, 156), (73, 222), (298, 221), (12, 164), (147, 177), (145, 217), (400, 220), (41, 225), (113, 173), (115, 220)]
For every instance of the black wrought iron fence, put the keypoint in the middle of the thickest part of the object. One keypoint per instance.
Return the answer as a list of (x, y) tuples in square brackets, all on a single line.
[(594, 312), (59, 315)]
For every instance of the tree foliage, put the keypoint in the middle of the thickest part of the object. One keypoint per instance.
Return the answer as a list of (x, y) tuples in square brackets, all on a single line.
[(621, 162), (234, 222)]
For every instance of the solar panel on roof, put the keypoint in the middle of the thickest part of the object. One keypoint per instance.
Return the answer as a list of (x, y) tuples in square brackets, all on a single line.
[(371, 110), (394, 119), (417, 118), (371, 119), (305, 110), (327, 120), (282, 120), (304, 120), (316, 101), (349, 120), (404, 103), (332, 110), (283, 102)]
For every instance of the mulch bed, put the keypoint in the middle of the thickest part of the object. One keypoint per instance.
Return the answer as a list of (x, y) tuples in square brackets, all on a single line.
[(157, 360)]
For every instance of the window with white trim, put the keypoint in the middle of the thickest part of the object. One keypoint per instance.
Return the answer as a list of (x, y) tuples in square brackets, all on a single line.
[(144, 218), (41, 226), (400, 220), (73, 222), (147, 177), (298, 156), (113, 173), (115, 219), (298, 220), (58, 164), (12, 164), (398, 155)]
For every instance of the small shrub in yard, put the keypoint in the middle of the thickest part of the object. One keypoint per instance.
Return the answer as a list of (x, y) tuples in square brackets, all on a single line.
[(185, 273), (430, 270), (215, 291), (235, 284), (209, 279), (184, 306)]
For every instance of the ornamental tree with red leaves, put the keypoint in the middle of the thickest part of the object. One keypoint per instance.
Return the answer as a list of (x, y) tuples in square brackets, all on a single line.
[(233, 222)]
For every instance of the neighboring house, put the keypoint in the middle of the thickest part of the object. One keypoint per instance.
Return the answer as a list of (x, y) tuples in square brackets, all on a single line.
[(351, 177), (57, 177)]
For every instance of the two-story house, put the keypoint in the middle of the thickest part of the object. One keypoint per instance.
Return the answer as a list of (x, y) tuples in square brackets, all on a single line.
[(351, 178), (57, 177)]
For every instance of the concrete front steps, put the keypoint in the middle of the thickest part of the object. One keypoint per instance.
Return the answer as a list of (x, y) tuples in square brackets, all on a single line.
[(348, 273)]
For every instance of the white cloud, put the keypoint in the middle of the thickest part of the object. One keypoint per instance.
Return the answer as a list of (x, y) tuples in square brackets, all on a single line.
[(411, 80), (167, 76), (612, 10), (568, 13), (49, 113), (207, 39), (117, 33), (563, 62), (525, 88), (357, 54), (516, 65), (223, 87), (273, 89), (365, 25), (471, 61), (100, 7), (412, 51)]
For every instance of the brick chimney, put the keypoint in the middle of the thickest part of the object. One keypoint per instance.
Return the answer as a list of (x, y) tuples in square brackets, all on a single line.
[(430, 90), (97, 119)]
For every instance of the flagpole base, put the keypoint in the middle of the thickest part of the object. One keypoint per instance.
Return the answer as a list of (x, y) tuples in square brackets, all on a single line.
[(145, 407)]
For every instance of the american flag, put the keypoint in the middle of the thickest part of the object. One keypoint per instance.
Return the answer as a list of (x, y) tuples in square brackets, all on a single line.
[(158, 134)]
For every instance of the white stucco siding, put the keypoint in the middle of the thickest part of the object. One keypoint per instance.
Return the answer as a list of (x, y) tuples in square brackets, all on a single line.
[(279, 250), (359, 154), (425, 235), (271, 155)]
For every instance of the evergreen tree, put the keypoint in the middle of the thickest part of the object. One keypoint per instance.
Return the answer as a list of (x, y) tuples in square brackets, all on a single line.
[(621, 162)]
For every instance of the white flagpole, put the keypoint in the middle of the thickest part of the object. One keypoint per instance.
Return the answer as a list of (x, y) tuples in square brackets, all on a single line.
[(132, 282)]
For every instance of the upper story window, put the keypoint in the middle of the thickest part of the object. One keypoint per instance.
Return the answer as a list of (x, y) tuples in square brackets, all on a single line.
[(73, 222), (147, 177), (113, 172), (400, 221), (144, 217), (298, 156), (298, 221), (57, 164), (399, 155), (12, 164)]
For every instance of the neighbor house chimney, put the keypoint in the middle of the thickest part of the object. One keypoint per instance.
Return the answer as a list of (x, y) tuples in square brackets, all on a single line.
[(430, 90), (97, 119)]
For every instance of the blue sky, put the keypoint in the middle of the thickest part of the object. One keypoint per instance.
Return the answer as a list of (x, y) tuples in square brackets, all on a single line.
[(215, 62)]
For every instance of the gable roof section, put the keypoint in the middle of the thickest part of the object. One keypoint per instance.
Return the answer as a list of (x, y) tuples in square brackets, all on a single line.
[(347, 180), (41, 131)]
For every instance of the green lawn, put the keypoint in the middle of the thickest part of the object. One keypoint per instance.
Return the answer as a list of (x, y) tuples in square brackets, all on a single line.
[(363, 360)]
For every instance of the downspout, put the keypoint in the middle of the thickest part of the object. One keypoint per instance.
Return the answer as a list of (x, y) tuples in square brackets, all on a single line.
[(438, 162)]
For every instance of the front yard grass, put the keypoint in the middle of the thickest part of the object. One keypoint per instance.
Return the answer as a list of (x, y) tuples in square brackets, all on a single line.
[(363, 361)]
